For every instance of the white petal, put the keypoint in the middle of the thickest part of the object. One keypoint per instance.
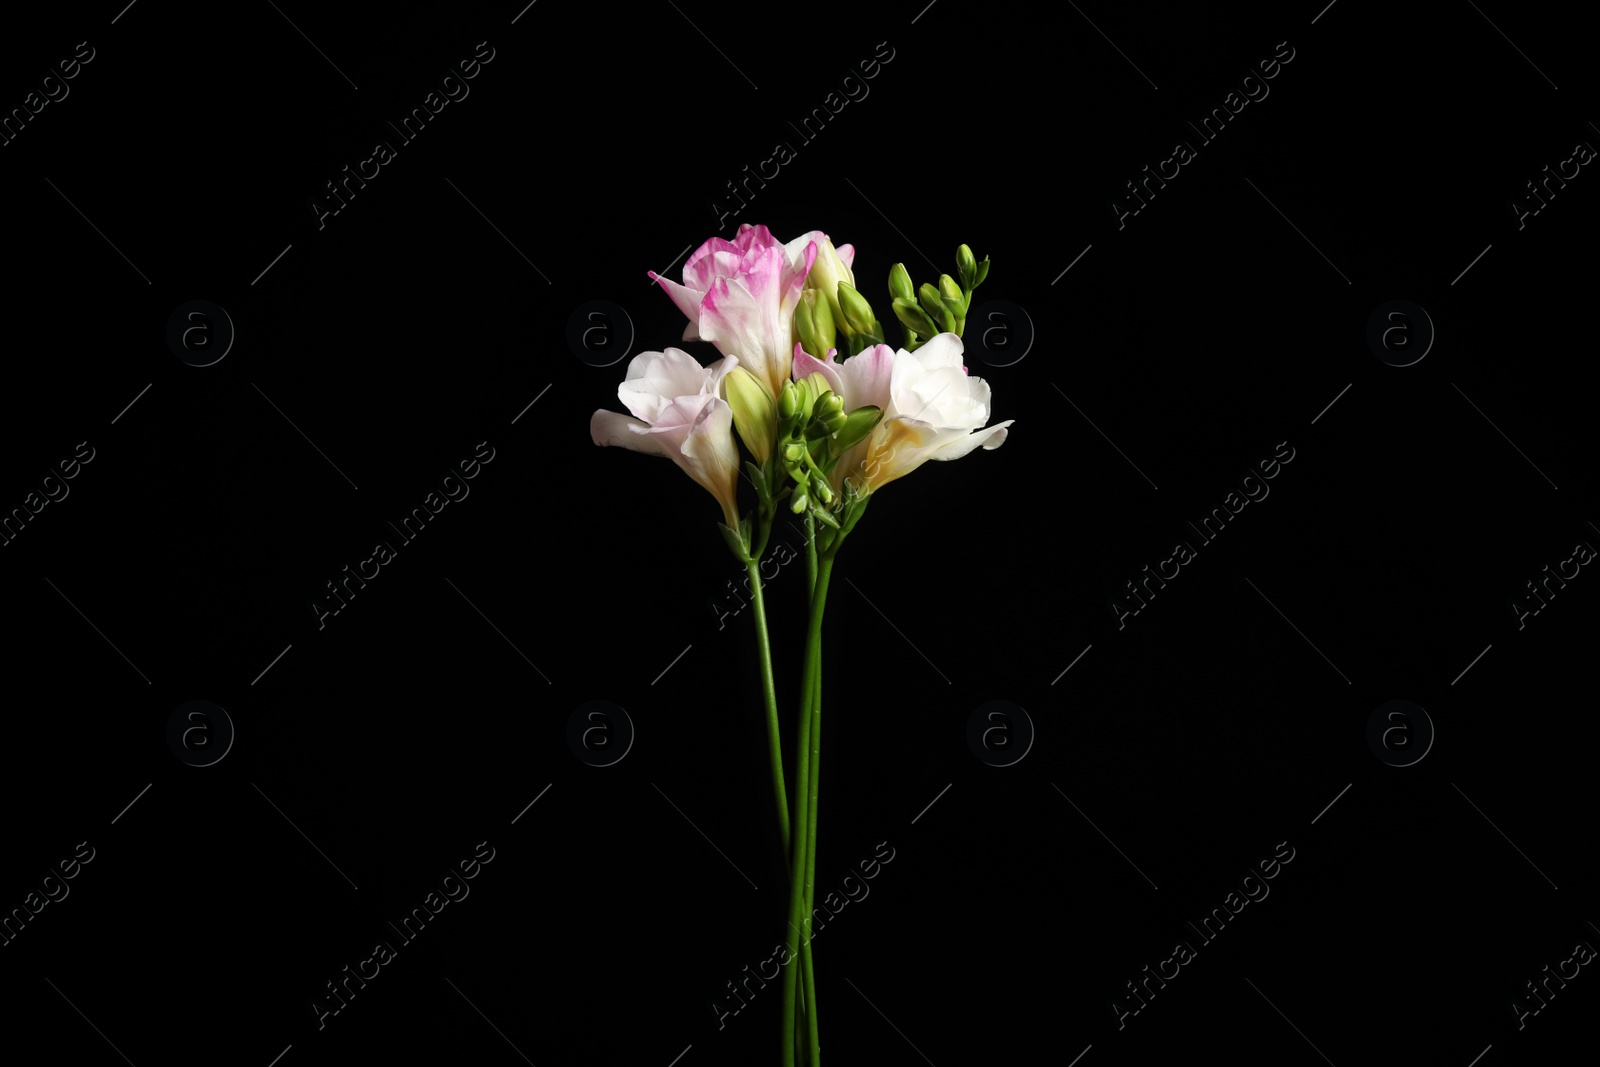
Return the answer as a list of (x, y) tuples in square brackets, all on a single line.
[(990, 439), (609, 428), (943, 350)]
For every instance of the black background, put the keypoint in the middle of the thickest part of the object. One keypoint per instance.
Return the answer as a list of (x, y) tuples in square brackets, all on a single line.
[(1220, 721)]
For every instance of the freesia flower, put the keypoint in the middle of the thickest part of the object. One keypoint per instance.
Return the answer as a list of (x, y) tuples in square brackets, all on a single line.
[(678, 414), (740, 295), (931, 408), (861, 381)]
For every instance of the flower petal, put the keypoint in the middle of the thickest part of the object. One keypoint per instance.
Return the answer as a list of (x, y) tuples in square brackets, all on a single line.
[(654, 378), (609, 428), (989, 438), (866, 377), (805, 365), (687, 299)]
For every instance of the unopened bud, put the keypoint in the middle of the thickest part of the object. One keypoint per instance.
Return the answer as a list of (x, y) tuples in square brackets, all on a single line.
[(804, 324), (857, 312), (966, 266), (900, 286), (857, 425), (914, 318), (822, 324), (755, 416)]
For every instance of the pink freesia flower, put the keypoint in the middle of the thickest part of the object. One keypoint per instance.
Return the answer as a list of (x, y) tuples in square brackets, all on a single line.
[(679, 414), (740, 295)]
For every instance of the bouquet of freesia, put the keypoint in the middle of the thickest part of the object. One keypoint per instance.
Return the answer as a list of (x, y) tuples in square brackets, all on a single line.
[(825, 432)]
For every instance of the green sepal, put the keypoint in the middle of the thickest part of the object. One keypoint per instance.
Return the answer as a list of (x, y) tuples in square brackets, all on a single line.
[(738, 540)]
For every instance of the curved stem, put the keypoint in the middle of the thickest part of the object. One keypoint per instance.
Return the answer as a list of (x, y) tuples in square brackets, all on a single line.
[(769, 692)]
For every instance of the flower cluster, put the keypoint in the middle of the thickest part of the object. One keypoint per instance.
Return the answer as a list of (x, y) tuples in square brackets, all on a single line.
[(846, 426), (825, 432)]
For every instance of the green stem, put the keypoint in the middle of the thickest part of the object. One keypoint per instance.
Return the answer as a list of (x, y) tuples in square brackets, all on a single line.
[(769, 692), (805, 993), (798, 895), (813, 716), (811, 561), (808, 969)]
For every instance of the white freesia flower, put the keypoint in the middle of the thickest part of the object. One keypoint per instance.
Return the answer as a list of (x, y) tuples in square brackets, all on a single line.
[(679, 414), (933, 410)]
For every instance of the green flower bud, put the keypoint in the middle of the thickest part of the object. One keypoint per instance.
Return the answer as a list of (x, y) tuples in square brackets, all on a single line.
[(821, 489), (948, 289), (815, 385), (822, 325), (913, 318), (983, 272), (857, 312), (967, 267), (828, 272), (958, 314), (900, 286), (804, 322), (755, 416), (826, 518), (788, 402), (857, 425), (793, 451), (929, 297), (801, 499)]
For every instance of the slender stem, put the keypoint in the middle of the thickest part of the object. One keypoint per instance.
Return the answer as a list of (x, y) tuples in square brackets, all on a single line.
[(811, 558), (798, 895), (812, 717), (808, 970), (805, 993), (769, 692)]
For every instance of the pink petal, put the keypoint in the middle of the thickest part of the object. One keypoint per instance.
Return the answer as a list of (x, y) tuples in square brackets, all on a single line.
[(867, 376), (687, 299), (806, 365)]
